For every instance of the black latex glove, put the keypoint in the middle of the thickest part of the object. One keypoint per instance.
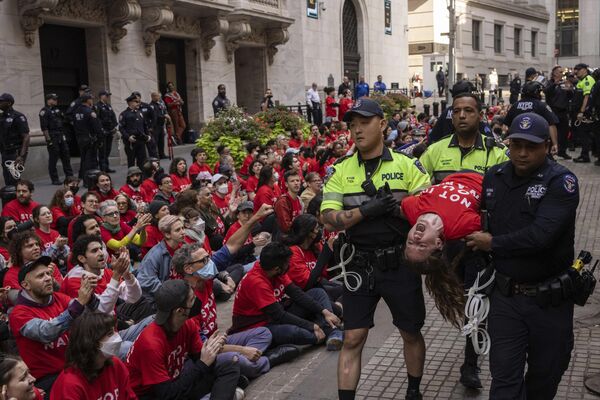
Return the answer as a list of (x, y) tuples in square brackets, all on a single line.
[(379, 205)]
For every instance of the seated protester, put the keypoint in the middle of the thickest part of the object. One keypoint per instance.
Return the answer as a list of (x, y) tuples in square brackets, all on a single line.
[(194, 228), (158, 210), (23, 248), (309, 257), (246, 255), (290, 162), (314, 208), (127, 209), (267, 190), (7, 228), (41, 319), (168, 360), (93, 370), (307, 318), (21, 208), (165, 188), (90, 204), (116, 233), (16, 380), (149, 187), (334, 151), (133, 186), (72, 183), (199, 165), (193, 264), (220, 196), (63, 210), (296, 139), (53, 244), (215, 223), (179, 175), (103, 186), (203, 179), (87, 225), (314, 186), (252, 148), (288, 206), (252, 181)]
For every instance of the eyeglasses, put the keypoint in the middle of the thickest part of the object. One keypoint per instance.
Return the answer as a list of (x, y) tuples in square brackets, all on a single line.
[(92, 201), (122, 203), (112, 214), (202, 260)]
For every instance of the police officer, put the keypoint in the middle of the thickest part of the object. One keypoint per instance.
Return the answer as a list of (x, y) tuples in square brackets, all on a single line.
[(515, 89), (361, 196), (150, 118), (69, 115), (88, 132), (108, 119), (466, 149), (559, 93), (161, 117), (51, 124), (531, 202), (132, 126), (14, 137), (221, 102), (531, 101), (583, 127)]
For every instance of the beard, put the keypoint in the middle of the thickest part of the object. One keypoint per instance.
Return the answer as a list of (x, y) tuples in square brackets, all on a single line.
[(135, 183)]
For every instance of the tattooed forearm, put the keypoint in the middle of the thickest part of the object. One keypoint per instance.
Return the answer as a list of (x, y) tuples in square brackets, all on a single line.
[(340, 220)]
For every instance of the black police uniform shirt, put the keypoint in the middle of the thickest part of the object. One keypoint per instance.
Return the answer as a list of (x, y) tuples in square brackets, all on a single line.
[(530, 105), (51, 120), (444, 127), (515, 86), (86, 124), (220, 103), (531, 220), (148, 113), (132, 123), (107, 117), (70, 112), (557, 97), (13, 125), (160, 112)]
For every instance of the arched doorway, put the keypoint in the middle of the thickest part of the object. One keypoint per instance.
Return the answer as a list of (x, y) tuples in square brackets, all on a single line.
[(350, 29)]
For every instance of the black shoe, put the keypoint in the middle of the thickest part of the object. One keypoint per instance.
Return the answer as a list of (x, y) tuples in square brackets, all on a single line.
[(56, 183), (469, 376), (564, 156), (112, 171), (581, 159), (413, 394), (282, 354), (243, 382)]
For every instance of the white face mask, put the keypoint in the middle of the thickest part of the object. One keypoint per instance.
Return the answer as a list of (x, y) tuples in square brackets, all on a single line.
[(199, 225), (223, 189), (111, 346), (69, 201), (209, 271), (276, 176)]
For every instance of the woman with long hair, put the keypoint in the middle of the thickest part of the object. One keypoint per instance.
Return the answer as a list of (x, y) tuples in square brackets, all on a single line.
[(179, 175), (54, 245), (16, 381), (215, 227), (252, 181), (104, 187), (93, 370), (64, 209), (267, 190), (7, 224)]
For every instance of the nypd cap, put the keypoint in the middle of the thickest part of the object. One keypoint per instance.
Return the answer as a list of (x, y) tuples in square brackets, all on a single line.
[(529, 126)]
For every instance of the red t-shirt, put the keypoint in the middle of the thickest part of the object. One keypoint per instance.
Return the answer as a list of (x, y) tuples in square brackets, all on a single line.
[(180, 183), (295, 143), (153, 236), (136, 194), (48, 239), (233, 229), (155, 358), (11, 278), (19, 212), (247, 161), (266, 195), (302, 262), (330, 110), (58, 212), (72, 282), (128, 216), (345, 105), (456, 200), (222, 203), (112, 193), (111, 384), (149, 188), (41, 358), (251, 184), (195, 169), (257, 291), (207, 319)]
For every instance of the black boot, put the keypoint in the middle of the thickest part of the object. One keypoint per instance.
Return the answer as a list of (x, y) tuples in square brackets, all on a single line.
[(469, 372), (282, 354), (413, 394)]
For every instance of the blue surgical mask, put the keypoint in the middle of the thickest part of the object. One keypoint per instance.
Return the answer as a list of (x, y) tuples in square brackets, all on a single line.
[(69, 201), (209, 271)]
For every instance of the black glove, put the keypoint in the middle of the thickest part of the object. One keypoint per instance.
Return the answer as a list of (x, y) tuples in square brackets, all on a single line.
[(379, 205)]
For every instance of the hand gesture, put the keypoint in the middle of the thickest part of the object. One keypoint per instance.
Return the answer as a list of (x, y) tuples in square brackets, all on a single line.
[(86, 290), (121, 265), (132, 139), (4, 394), (264, 211), (251, 353), (143, 221), (480, 241), (260, 240), (60, 242), (331, 318), (319, 333), (211, 348)]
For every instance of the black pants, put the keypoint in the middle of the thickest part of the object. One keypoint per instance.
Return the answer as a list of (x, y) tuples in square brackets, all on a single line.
[(562, 129), (159, 139), (58, 151), (317, 114), (514, 97), (9, 155), (584, 136), (440, 90), (136, 153), (522, 332), (89, 156), (107, 141), (151, 146)]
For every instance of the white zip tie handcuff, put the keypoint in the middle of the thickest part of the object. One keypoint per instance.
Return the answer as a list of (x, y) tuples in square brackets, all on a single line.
[(476, 311), (15, 171), (344, 275)]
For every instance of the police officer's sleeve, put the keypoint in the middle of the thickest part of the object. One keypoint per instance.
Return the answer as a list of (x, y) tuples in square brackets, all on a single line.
[(546, 112), (510, 115), (498, 156), (333, 193), (555, 212), (44, 119), (22, 125), (122, 129), (95, 125), (418, 178), (427, 160)]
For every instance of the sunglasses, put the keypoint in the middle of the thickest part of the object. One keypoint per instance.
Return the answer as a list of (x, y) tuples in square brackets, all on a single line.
[(202, 260)]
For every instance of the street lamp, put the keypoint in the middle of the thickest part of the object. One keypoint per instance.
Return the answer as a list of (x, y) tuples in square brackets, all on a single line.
[(451, 4)]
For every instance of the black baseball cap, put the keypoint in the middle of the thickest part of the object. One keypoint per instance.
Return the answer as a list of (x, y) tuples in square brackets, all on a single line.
[(136, 93), (86, 97), (7, 97), (531, 127), (245, 206), (530, 72), (30, 266), (104, 93), (131, 98), (84, 87), (581, 66), (364, 107), (51, 96), (171, 295)]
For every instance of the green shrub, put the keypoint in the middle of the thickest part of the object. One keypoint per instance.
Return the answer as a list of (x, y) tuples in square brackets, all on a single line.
[(391, 102)]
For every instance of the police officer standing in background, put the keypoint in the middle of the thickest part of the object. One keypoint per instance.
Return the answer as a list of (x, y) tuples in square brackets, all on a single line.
[(221, 102), (531, 202), (14, 137), (161, 116), (132, 126), (584, 130), (108, 119), (150, 118), (51, 124), (559, 93), (88, 132), (515, 89), (362, 197)]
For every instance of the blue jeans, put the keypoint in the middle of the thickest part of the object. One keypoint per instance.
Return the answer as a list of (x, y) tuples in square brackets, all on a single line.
[(130, 334), (259, 338)]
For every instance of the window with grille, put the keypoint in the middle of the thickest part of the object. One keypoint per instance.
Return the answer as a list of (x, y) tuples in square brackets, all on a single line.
[(476, 35), (498, 38), (517, 41)]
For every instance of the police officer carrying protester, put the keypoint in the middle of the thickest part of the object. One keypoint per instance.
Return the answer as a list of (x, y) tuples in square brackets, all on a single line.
[(132, 126), (531, 101), (362, 197), (88, 132), (583, 127), (559, 93), (221, 102), (531, 204), (466, 149), (161, 117), (51, 124), (14, 137), (150, 118), (108, 119)]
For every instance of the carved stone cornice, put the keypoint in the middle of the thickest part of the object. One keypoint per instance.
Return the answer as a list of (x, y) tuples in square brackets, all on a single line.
[(122, 12), (30, 17), (275, 37), (184, 24), (211, 28), (156, 16), (238, 31), (87, 10)]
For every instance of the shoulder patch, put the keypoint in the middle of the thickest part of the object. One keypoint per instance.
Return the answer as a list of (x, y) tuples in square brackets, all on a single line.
[(339, 160), (93, 114), (42, 113), (570, 183), (22, 117), (420, 166), (216, 103), (328, 173), (401, 152)]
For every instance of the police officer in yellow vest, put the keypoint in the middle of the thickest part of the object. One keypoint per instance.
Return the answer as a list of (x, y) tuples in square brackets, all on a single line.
[(362, 197), (466, 149)]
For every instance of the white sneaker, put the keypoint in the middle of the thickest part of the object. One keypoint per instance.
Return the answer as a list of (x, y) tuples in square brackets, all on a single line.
[(239, 394)]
